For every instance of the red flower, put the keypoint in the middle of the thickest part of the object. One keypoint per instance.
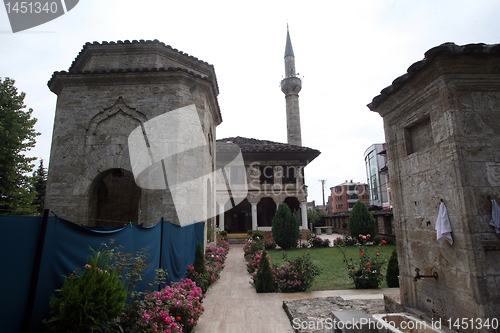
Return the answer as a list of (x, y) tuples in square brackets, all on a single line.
[(368, 236), (190, 268), (178, 318), (368, 263), (361, 254), (364, 237), (378, 254), (384, 241)]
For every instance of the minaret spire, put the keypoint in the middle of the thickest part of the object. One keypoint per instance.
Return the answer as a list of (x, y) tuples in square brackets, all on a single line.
[(291, 86)]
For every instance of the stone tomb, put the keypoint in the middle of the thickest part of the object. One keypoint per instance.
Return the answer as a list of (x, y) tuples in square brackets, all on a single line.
[(442, 129), (110, 90)]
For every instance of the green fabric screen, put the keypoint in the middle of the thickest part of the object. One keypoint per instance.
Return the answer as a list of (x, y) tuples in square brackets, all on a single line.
[(66, 247)]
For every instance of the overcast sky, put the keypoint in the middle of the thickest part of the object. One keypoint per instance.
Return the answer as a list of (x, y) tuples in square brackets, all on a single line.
[(346, 52)]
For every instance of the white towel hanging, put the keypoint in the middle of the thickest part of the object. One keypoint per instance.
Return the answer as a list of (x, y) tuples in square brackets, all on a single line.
[(495, 216), (443, 226)]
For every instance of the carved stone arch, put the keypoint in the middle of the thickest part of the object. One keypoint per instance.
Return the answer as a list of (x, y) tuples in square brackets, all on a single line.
[(106, 142), (119, 105)]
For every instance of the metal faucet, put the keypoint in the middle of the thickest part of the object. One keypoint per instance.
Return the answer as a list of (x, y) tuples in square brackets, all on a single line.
[(418, 276)]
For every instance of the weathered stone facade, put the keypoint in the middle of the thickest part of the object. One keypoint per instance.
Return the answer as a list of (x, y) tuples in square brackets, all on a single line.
[(442, 128), (110, 90)]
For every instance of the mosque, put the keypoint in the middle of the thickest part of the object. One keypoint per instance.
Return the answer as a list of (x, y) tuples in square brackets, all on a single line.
[(274, 171)]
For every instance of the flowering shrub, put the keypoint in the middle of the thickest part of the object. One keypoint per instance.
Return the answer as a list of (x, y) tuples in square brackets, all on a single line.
[(295, 274), (253, 261), (367, 272), (215, 256), (89, 300), (346, 240), (177, 307), (317, 242), (213, 262), (225, 245), (252, 246)]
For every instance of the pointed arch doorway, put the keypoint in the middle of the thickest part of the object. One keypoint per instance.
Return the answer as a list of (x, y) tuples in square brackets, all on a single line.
[(114, 199)]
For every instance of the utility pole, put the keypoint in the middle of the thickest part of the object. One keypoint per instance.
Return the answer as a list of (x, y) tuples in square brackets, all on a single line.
[(323, 191)]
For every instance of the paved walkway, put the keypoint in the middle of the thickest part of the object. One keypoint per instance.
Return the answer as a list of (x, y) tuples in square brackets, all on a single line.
[(233, 306)]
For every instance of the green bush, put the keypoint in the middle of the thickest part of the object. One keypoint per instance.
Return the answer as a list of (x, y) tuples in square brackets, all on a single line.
[(252, 247), (316, 217), (199, 260), (263, 279), (318, 242), (257, 235), (285, 227), (392, 276), (361, 221), (346, 240), (223, 234), (271, 245), (89, 300)]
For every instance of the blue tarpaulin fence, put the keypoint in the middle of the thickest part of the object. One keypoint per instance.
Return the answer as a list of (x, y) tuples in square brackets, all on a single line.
[(62, 246)]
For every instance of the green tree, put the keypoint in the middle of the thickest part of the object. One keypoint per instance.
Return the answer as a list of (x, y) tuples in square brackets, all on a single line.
[(264, 279), (39, 186), (316, 216), (361, 221), (199, 259), (285, 227), (392, 276), (17, 136)]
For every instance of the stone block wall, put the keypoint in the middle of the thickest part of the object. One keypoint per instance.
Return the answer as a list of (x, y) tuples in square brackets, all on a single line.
[(442, 130)]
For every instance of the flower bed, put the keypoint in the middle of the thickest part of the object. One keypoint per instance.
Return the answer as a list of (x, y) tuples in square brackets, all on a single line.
[(367, 271), (175, 309), (294, 275)]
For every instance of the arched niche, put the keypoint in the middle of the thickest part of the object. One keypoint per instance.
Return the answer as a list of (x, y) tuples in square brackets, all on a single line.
[(114, 199)]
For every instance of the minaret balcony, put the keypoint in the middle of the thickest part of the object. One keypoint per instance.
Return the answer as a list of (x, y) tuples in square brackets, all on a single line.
[(291, 85)]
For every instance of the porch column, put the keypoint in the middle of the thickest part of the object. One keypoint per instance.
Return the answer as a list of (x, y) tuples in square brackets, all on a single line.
[(254, 216), (221, 216), (303, 212)]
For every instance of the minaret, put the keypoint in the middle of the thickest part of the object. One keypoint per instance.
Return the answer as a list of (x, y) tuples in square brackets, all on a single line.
[(291, 86)]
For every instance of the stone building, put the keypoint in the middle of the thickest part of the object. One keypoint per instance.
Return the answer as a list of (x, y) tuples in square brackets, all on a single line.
[(442, 130), (345, 195), (274, 173), (110, 90), (378, 176)]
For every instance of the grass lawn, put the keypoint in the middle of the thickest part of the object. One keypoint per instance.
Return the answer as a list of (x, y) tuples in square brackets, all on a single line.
[(331, 262)]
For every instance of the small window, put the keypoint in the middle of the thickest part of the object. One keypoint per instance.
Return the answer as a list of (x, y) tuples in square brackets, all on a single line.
[(266, 174), (238, 175), (289, 174)]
